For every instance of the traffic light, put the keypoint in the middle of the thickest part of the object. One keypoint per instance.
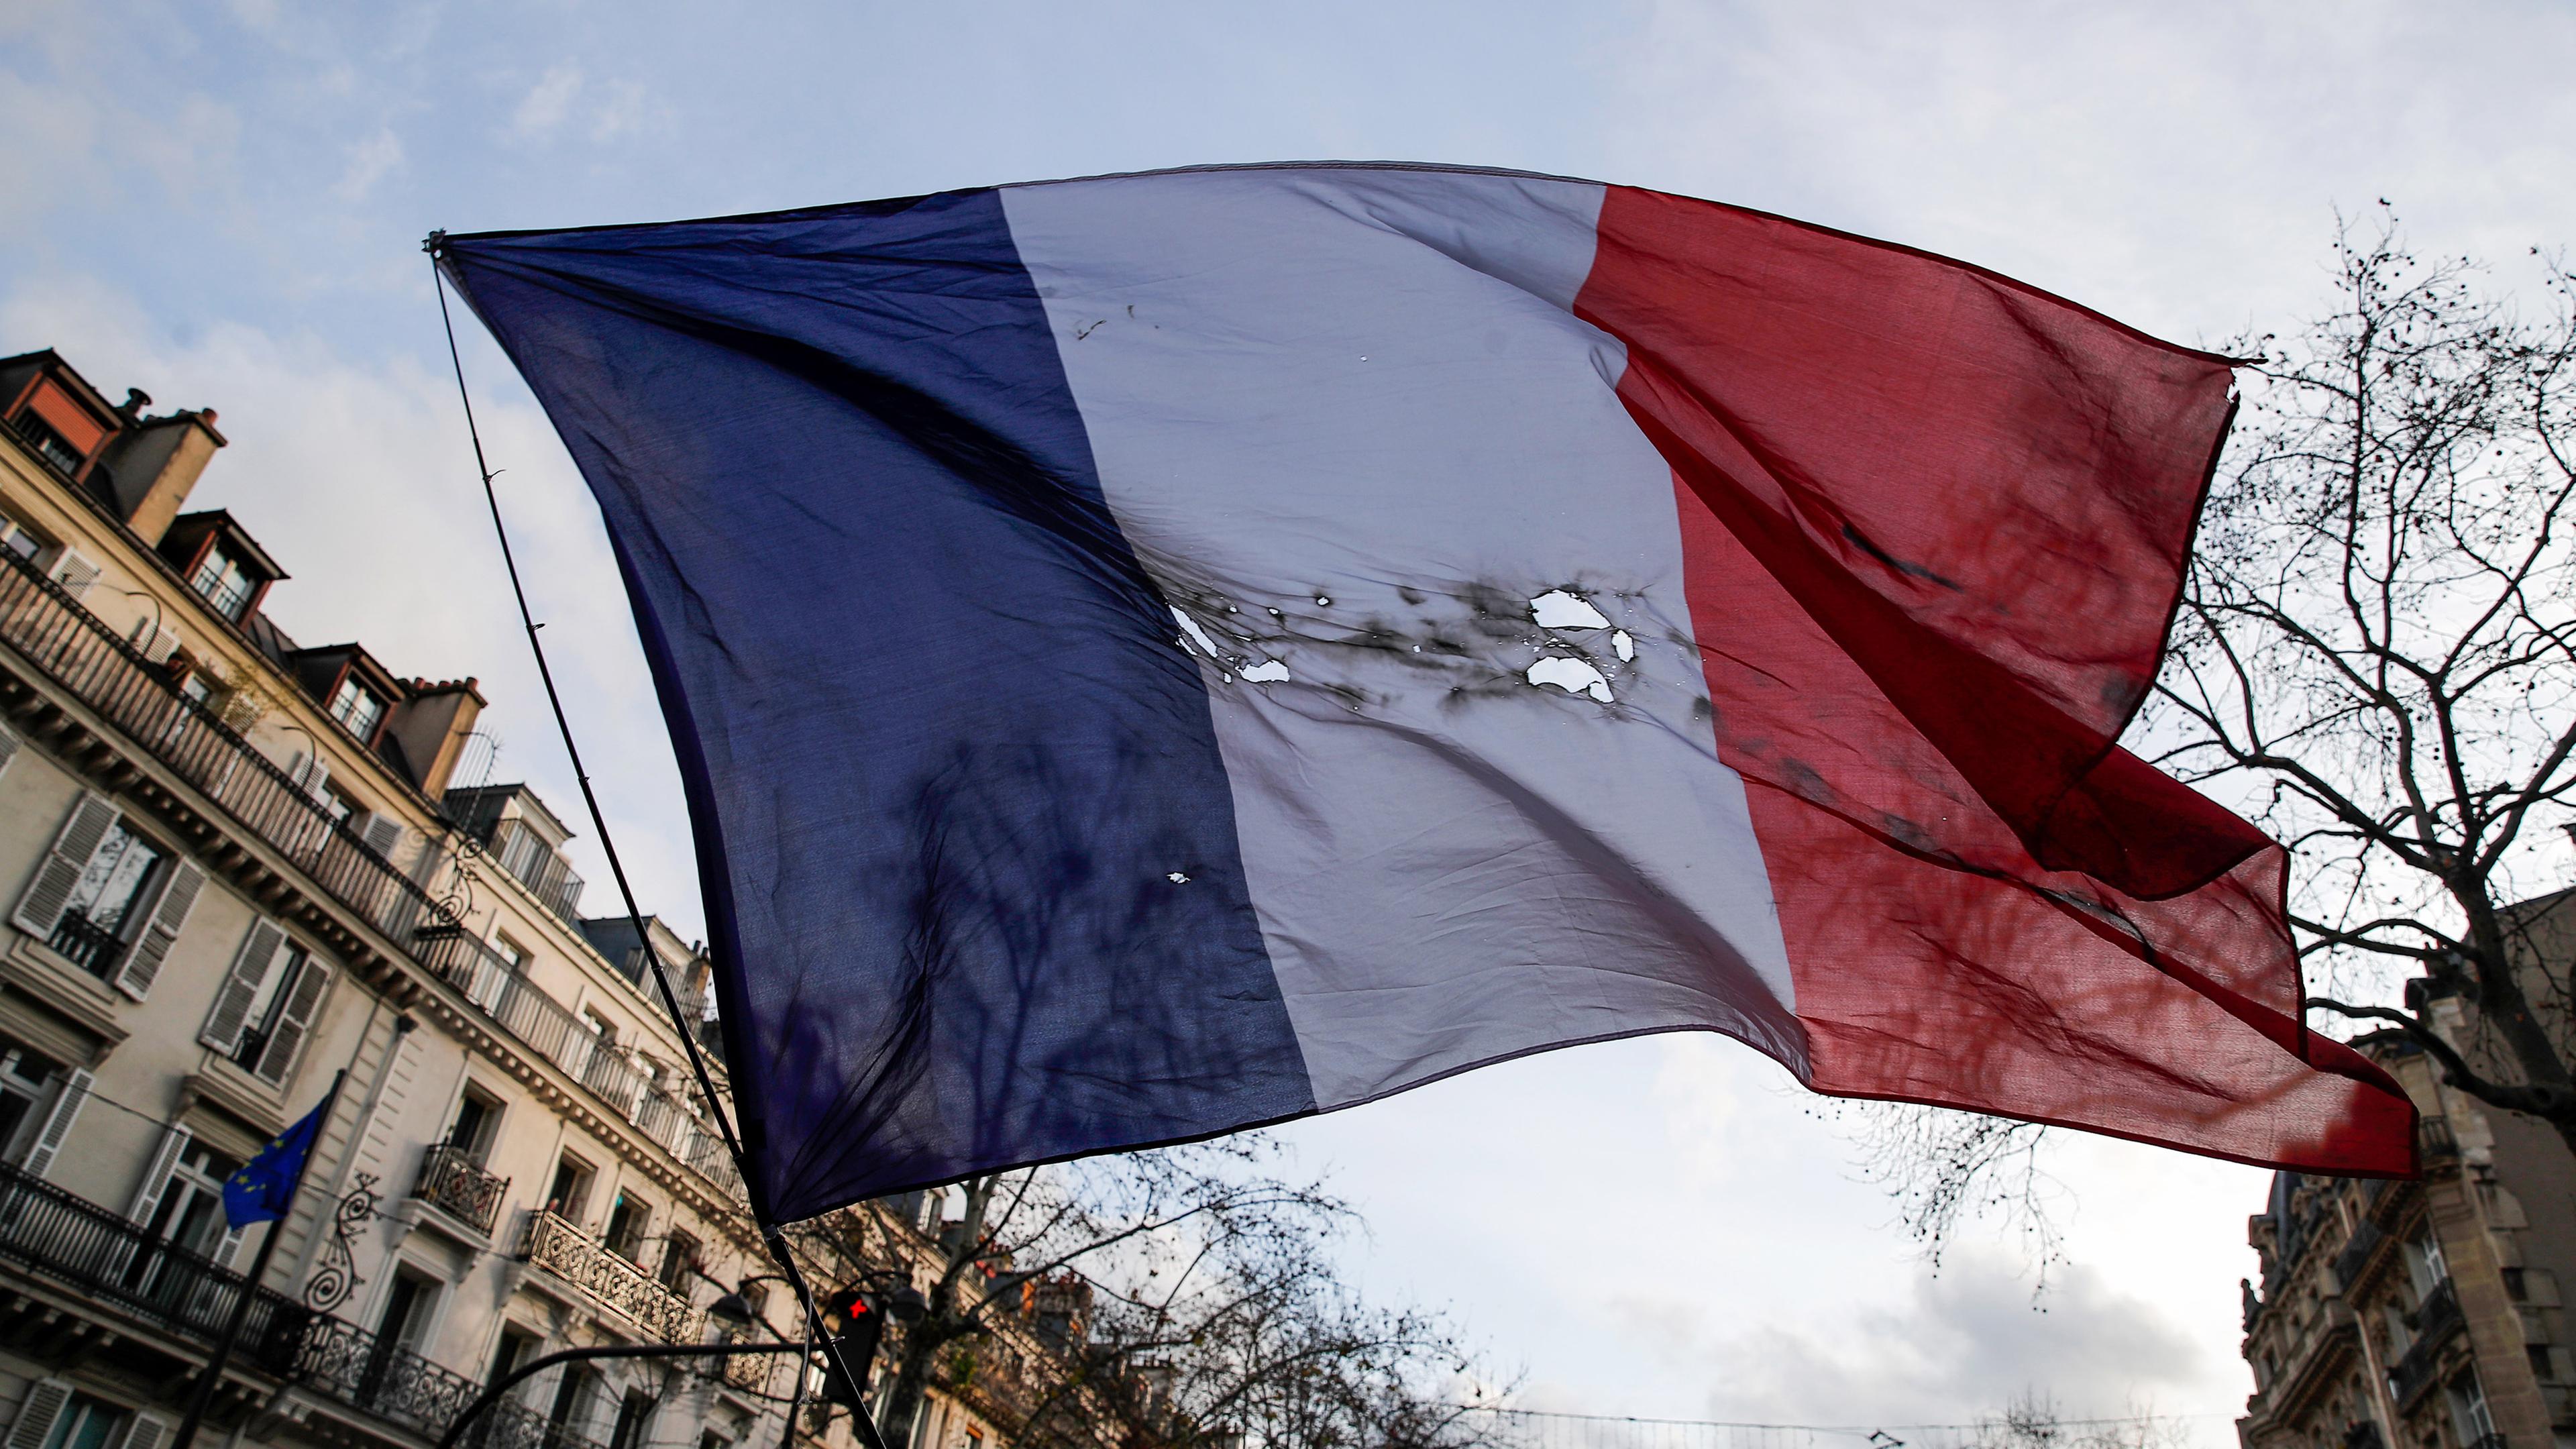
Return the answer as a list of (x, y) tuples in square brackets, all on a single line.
[(856, 1325)]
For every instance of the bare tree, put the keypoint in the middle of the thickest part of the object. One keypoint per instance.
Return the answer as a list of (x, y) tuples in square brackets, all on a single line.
[(2376, 658), (1171, 1298), (2378, 642), (2032, 1421)]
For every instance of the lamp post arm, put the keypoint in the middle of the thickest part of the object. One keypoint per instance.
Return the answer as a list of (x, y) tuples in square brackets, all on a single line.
[(537, 1365)]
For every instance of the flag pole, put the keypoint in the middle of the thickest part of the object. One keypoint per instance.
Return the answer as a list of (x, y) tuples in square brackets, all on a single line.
[(770, 1234), (214, 1373)]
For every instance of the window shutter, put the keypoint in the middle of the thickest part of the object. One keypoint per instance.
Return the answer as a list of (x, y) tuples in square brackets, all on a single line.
[(37, 1412), (152, 641), (139, 1431), (58, 1122), (251, 965), (8, 748), (75, 572), (156, 1175), (230, 1245), (383, 834), (169, 915), (41, 908), (310, 774), (295, 1022)]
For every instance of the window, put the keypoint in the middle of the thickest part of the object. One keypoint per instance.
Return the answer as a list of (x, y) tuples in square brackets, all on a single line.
[(571, 1188), (633, 1415), (679, 1256), (26, 1082), (358, 707), (269, 1003), (48, 444), (100, 918), (628, 1216), (2425, 1269), (2469, 1414), (477, 1119), (85, 1423), (509, 1353), (572, 1404), (181, 1205), (23, 541), (223, 582), (514, 957), (406, 1315)]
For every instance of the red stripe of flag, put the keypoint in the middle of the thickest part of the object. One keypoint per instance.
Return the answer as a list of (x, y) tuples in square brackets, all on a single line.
[(1934, 524)]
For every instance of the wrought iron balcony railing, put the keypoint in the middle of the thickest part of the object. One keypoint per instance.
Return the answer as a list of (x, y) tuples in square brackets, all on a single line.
[(392, 1382), (87, 944), (384, 1378), (451, 1178), (107, 1260), (583, 1261), (547, 875), (2436, 1319), (65, 643), (2356, 1253), (117, 1266), (513, 1425)]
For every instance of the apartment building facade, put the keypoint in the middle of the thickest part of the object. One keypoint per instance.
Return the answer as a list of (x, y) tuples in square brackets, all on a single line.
[(233, 867), (2428, 1314)]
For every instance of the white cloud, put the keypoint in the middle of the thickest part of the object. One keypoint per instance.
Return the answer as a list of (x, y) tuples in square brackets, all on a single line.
[(625, 109), (543, 110), (564, 101), (369, 160), (360, 479), (1954, 1347)]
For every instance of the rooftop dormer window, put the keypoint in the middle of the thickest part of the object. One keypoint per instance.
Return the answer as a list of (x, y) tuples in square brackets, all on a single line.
[(224, 583), (47, 443), (358, 707)]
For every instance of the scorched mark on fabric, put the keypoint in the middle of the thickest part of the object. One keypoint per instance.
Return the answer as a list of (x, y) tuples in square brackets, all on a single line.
[(1487, 640)]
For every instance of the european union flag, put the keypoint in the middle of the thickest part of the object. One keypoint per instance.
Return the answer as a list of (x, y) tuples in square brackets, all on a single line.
[(265, 1187)]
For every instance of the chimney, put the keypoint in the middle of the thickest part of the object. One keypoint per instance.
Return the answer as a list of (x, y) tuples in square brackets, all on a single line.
[(154, 463), (432, 725)]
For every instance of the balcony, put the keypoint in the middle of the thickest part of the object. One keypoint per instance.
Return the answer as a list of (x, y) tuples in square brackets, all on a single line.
[(748, 1372), (536, 865), (577, 1258), (2436, 1319), (108, 1261), (2356, 1253), (62, 642), (513, 1425), (87, 944), (451, 1178), (385, 1379)]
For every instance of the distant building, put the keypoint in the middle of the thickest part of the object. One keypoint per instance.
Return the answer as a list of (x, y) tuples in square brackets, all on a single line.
[(2424, 1315), (232, 865)]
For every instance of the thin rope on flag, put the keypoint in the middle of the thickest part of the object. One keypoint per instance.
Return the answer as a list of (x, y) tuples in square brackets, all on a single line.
[(770, 1235)]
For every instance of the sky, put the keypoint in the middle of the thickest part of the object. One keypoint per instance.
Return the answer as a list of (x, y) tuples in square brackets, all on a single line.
[(222, 204)]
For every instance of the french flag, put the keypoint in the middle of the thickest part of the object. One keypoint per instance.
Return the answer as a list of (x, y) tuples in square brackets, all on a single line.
[(1160, 654)]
